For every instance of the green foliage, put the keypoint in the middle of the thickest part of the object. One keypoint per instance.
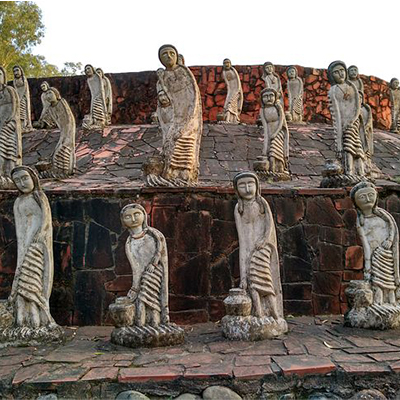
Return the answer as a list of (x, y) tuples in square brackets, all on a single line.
[(71, 68)]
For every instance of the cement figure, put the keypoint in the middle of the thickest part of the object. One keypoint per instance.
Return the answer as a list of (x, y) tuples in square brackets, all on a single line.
[(21, 85), (108, 95), (354, 77), (395, 102), (295, 92)]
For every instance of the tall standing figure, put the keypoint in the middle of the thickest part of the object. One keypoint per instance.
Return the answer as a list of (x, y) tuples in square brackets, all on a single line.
[(45, 121), (33, 281), (255, 309), (108, 95), (395, 100), (180, 118), (146, 304), (97, 117), (354, 77), (234, 98), (375, 300), (272, 80), (21, 85), (295, 88), (345, 107), (10, 130)]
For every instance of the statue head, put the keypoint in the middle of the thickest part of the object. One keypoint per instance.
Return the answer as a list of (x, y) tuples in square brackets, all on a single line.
[(134, 216), (269, 96), (247, 188), (365, 197), (337, 72), (181, 59), (353, 72), (25, 179), (394, 83), (291, 72), (18, 72), (168, 56), (227, 64), (53, 96), (100, 72), (268, 68), (89, 70), (44, 86), (163, 98), (3, 77)]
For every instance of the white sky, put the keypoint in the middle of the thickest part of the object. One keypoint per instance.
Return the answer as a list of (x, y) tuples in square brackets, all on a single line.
[(124, 36)]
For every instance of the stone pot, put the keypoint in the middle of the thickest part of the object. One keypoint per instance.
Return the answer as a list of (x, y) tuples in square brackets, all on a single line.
[(238, 303), (122, 311)]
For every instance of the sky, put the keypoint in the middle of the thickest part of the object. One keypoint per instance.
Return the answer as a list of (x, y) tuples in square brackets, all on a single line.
[(124, 36)]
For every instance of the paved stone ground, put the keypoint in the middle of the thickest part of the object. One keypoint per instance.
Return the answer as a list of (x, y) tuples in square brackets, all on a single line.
[(89, 366), (113, 158)]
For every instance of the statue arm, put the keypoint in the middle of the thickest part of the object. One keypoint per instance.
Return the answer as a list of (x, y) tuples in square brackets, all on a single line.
[(336, 120), (14, 103), (242, 267), (281, 120), (366, 248)]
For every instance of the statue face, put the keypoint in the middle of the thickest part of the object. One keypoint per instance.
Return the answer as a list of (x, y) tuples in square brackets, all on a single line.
[(395, 84), (51, 97), (291, 73), (17, 72), (227, 64), (247, 188), (353, 72), (23, 181), (365, 199), (89, 71), (168, 57), (163, 98), (133, 218), (269, 69), (339, 74), (2, 78), (44, 87), (269, 98)]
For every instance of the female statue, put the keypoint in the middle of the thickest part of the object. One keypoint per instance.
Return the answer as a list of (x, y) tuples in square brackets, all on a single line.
[(345, 110), (276, 133), (33, 279), (180, 117), (272, 80), (60, 112), (108, 94), (22, 87), (366, 132), (354, 77), (295, 93), (10, 127), (234, 98), (45, 120), (96, 119), (395, 100)]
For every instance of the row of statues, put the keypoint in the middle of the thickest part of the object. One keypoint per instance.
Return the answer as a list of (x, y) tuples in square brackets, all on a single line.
[(254, 309)]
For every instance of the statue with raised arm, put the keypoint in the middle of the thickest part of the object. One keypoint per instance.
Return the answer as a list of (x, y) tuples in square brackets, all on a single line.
[(28, 303), (375, 301), (395, 102), (180, 118), (354, 78), (272, 80), (98, 115), (295, 88), (234, 98), (108, 95), (10, 131), (273, 164), (255, 309), (142, 317), (21, 85)]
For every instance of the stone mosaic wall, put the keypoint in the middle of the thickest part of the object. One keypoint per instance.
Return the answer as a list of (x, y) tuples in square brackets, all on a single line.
[(135, 94), (318, 247)]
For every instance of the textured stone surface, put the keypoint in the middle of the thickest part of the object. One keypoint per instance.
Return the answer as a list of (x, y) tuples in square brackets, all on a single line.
[(220, 392)]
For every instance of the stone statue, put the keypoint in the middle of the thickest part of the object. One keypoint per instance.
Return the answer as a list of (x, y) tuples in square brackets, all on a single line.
[(108, 95), (295, 93), (181, 59), (274, 160), (45, 121), (366, 133), (255, 310), (345, 107), (21, 85), (98, 115), (354, 77), (234, 98), (395, 101), (142, 318), (272, 80), (180, 118), (25, 317), (375, 301), (10, 131)]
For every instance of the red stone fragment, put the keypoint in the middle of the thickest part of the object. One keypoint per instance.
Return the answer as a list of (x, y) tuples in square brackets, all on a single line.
[(159, 373), (304, 365)]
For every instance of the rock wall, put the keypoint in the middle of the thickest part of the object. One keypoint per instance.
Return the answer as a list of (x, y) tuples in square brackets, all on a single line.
[(135, 94), (318, 246)]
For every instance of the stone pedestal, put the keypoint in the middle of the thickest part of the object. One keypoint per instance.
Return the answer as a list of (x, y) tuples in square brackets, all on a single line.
[(333, 176), (240, 325), (261, 168), (364, 313)]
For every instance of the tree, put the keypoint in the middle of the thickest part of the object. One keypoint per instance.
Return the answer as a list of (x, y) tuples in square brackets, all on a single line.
[(71, 68)]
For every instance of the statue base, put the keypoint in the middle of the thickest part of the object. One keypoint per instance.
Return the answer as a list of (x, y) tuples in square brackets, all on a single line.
[(26, 336), (147, 336), (342, 180), (384, 316), (261, 168), (252, 328)]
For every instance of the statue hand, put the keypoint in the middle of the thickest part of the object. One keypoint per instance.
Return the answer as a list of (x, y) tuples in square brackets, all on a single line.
[(132, 294), (387, 244), (243, 284), (150, 268)]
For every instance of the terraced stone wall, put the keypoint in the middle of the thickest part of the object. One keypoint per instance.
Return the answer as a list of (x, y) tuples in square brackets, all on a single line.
[(135, 94), (318, 246)]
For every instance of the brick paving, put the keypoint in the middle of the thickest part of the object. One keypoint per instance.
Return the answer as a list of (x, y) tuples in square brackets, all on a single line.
[(112, 159), (329, 348)]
